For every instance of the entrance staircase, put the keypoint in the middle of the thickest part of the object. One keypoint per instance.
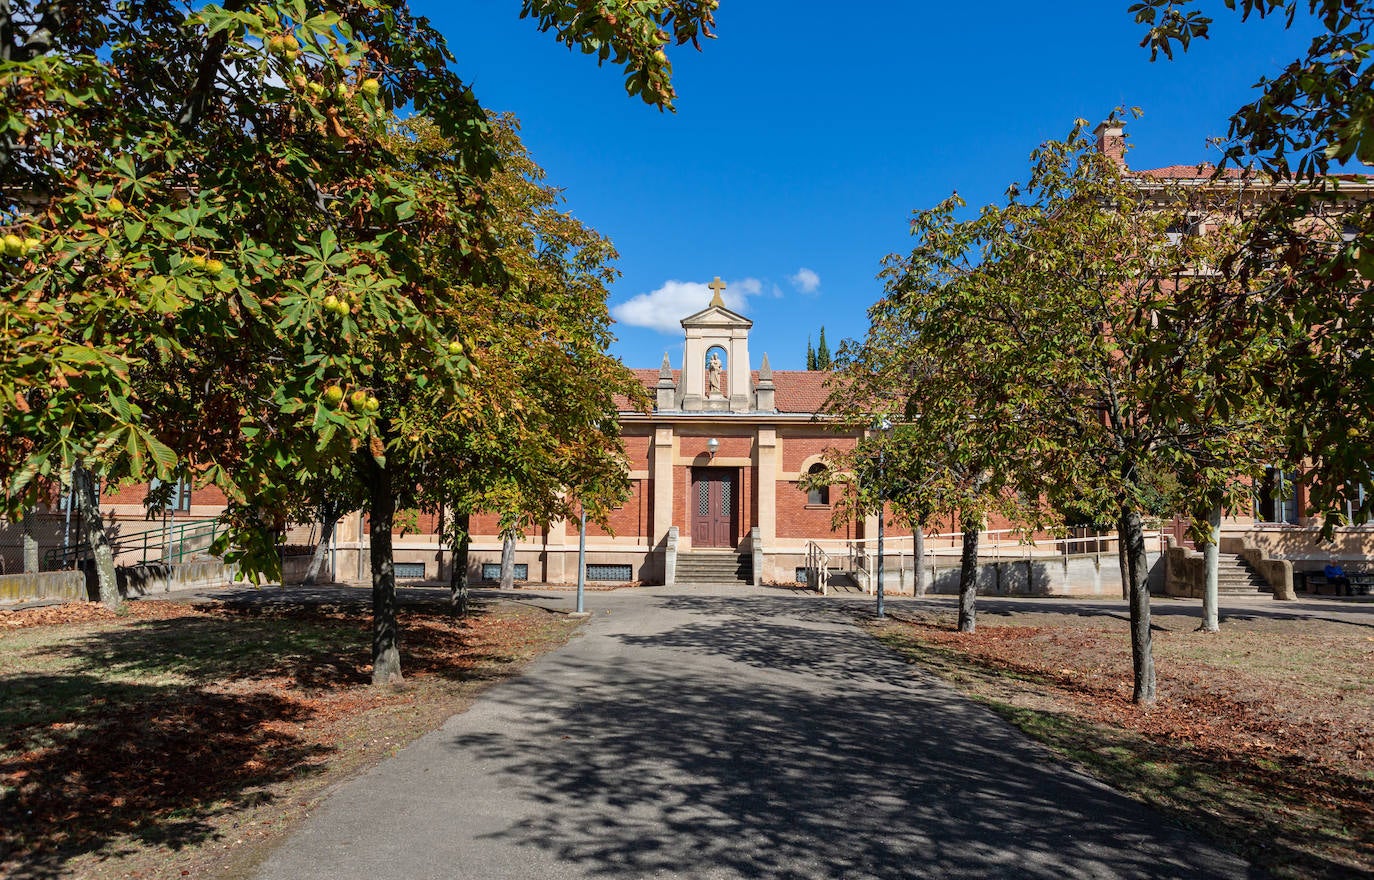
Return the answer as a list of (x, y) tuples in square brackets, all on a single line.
[(714, 567), (1236, 578)]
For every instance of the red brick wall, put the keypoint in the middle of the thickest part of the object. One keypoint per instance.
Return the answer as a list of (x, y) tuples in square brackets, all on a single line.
[(131, 494), (427, 524), (134, 494), (637, 448), (209, 495), (738, 446), (796, 519), (484, 525), (798, 446), (633, 518)]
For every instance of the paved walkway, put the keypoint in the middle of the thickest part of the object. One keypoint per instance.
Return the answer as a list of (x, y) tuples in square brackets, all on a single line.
[(730, 733)]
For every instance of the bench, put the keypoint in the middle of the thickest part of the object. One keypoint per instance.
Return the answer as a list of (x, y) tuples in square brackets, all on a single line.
[(1360, 584)]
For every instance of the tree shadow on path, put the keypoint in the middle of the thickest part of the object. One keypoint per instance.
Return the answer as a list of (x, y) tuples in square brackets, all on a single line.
[(755, 738)]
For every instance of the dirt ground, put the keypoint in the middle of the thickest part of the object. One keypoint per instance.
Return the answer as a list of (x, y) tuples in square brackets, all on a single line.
[(185, 740), (1263, 736)]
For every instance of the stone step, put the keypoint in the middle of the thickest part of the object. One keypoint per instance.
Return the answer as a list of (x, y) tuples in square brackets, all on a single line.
[(721, 566), (713, 568), (709, 561), (726, 569), (1235, 577)]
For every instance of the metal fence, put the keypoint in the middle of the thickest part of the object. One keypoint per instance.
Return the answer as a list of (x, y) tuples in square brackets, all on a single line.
[(39, 535), (54, 541)]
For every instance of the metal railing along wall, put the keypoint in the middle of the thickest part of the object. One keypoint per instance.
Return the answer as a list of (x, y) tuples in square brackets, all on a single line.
[(169, 542)]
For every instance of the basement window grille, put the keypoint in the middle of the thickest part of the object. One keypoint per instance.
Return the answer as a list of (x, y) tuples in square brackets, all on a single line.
[(801, 574), (617, 573), (491, 571), (407, 571)]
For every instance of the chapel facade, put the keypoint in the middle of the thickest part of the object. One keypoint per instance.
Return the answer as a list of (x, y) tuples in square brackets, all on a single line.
[(715, 472)]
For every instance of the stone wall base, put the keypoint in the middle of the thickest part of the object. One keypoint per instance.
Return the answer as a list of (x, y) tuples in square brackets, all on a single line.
[(69, 586), (160, 577)]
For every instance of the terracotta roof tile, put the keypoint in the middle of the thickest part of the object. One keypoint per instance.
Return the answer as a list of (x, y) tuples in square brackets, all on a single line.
[(1207, 169), (1186, 172), (800, 391)]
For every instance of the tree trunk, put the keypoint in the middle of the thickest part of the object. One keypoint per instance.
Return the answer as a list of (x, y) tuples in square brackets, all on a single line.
[(88, 498), (31, 564), (508, 560), (968, 580), (458, 571), (1132, 538), (386, 637), (919, 551), (1211, 554), (329, 514)]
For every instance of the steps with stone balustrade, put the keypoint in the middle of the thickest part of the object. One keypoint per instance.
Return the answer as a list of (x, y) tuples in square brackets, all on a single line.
[(1236, 578)]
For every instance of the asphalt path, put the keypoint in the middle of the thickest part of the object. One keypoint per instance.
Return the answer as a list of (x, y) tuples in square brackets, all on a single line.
[(722, 733)]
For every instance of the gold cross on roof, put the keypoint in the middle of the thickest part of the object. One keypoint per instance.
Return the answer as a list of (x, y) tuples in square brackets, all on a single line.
[(716, 287)]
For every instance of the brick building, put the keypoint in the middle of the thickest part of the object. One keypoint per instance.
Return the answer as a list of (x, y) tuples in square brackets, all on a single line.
[(715, 472), (1277, 527), (714, 469)]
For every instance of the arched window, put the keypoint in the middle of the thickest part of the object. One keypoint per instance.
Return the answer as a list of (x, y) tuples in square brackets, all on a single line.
[(821, 494)]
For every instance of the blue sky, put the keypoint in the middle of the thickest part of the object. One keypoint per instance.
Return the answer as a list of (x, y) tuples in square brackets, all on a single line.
[(808, 132)]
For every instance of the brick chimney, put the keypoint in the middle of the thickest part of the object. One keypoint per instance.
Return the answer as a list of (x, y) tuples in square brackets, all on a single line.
[(1111, 140)]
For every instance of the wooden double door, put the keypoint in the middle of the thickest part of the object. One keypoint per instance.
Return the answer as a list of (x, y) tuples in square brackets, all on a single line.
[(715, 507)]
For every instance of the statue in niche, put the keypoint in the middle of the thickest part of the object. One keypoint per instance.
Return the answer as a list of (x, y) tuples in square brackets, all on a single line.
[(713, 374)]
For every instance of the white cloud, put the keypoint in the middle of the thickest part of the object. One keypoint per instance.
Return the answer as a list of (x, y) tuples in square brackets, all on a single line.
[(737, 293), (806, 280), (664, 309)]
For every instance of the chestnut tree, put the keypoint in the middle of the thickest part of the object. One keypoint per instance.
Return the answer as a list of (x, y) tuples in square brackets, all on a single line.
[(1052, 316)]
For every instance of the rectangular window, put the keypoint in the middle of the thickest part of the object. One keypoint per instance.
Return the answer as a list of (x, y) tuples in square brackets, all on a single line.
[(1357, 503), (491, 571), (1276, 500), (180, 498), (614, 573), (409, 571)]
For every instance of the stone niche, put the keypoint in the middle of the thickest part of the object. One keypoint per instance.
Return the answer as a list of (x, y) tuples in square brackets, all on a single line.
[(716, 330)]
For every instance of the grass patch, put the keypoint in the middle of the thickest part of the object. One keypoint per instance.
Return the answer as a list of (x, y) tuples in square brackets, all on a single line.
[(178, 738), (1259, 741)]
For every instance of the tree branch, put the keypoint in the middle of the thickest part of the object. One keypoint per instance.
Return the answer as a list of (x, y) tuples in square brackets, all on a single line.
[(198, 99)]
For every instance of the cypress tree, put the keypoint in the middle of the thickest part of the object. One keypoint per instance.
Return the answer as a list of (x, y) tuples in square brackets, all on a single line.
[(822, 353), (810, 355)]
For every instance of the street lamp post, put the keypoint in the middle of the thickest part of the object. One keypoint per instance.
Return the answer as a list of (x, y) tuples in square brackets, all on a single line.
[(884, 427), (581, 560)]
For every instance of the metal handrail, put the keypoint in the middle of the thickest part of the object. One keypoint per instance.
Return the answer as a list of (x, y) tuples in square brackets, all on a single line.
[(159, 540), (856, 547), (817, 568)]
